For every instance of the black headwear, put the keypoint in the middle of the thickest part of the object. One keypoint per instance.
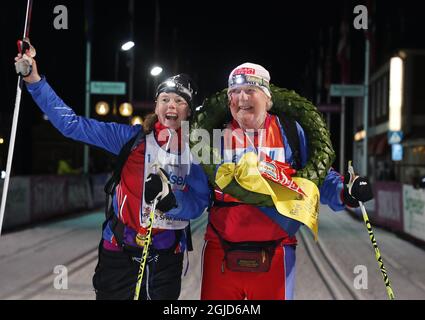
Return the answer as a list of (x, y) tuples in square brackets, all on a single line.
[(180, 84)]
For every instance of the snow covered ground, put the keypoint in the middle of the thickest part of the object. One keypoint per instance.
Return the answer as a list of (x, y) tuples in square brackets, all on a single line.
[(31, 260)]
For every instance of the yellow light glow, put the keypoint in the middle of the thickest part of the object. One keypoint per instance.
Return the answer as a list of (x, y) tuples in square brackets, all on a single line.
[(1, 140), (102, 108), (360, 135), (396, 93), (126, 109), (136, 120)]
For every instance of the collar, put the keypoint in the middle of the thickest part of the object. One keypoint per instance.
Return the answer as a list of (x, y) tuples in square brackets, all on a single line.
[(235, 124), (159, 127)]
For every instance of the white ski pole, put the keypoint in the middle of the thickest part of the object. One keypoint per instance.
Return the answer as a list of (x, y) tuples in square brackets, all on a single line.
[(14, 123)]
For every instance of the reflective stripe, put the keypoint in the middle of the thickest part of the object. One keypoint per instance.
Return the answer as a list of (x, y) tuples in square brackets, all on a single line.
[(148, 297), (202, 262)]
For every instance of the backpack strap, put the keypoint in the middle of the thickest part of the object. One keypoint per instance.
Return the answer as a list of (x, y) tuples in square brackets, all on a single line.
[(188, 231), (290, 128), (115, 224), (122, 158)]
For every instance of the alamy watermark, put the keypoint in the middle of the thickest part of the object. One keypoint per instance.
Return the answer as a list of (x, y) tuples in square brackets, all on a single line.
[(60, 282), (216, 147), (61, 20), (360, 281), (361, 20)]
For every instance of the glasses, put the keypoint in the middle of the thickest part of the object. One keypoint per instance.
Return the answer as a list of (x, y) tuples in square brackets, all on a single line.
[(178, 101)]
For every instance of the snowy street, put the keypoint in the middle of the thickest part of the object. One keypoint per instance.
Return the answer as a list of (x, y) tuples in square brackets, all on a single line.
[(31, 259)]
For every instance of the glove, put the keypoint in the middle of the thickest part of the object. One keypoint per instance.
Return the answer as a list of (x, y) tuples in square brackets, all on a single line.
[(158, 186), (356, 189), (23, 66)]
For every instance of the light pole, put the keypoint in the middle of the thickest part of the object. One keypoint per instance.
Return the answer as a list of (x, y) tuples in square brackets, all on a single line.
[(88, 11), (127, 46)]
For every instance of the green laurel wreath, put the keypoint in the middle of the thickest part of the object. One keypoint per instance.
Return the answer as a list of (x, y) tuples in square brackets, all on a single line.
[(214, 114)]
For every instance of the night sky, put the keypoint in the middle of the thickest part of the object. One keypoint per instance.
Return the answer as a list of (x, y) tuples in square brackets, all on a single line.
[(205, 39)]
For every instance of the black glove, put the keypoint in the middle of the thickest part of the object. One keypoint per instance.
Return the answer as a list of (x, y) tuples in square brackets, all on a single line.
[(157, 185), (361, 190)]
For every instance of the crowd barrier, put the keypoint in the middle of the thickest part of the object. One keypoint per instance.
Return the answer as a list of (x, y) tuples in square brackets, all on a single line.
[(32, 199), (399, 207), (36, 198)]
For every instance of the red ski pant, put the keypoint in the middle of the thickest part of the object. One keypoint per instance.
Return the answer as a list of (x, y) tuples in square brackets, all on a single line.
[(223, 284)]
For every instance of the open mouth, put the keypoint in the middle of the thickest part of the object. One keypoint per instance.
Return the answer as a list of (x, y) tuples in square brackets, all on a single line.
[(171, 116), (245, 108)]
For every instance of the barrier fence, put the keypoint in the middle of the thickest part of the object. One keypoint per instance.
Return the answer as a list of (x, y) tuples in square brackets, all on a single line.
[(37, 198), (399, 207)]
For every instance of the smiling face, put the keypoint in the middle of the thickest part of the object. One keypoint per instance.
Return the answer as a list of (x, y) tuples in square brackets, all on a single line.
[(249, 105), (171, 110)]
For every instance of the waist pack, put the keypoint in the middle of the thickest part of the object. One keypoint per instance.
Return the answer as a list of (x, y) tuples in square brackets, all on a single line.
[(247, 256)]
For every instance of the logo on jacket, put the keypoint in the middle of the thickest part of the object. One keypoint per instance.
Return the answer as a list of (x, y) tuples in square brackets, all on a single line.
[(178, 180)]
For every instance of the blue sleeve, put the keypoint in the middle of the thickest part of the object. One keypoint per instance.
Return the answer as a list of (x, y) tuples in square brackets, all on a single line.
[(330, 191), (195, 198), (107, 135), (303, 146)]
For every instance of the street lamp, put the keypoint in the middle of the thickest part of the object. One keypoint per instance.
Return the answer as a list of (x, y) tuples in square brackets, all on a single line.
[(127, 46), (156, 71), (102, 108), (396, 93), (126, 109), (136, 120), (124, 47)]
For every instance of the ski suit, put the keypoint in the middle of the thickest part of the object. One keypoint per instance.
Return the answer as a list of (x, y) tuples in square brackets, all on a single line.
[(232, 220), (116, 272)]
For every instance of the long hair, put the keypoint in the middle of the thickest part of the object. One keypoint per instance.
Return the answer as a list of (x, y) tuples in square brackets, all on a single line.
[(149, 122)]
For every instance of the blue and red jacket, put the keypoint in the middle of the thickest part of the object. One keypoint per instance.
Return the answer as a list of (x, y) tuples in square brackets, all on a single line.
[(192, 200), (237, 222)]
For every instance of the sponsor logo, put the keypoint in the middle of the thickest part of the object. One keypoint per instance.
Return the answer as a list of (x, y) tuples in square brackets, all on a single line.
[(178, 180), (244, 71), (268, 169)]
